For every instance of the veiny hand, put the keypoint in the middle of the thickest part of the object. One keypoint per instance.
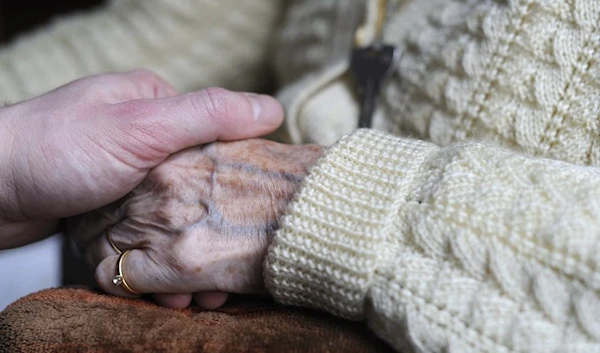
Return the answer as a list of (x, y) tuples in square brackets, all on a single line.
[(200, 222), (91, 142)]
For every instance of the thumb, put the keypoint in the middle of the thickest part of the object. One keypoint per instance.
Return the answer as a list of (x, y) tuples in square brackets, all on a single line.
[(168, 125)]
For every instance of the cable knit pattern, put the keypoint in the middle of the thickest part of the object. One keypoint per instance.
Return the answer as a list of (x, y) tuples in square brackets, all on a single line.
[(192, 44), (476, 248), (468, 248), (521, 73)]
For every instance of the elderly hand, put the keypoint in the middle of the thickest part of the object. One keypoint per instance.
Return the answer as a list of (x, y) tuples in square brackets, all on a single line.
[(89, 143), (200, 222)]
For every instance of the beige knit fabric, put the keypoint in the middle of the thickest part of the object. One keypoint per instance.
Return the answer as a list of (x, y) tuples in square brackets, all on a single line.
[(470, 247), (460, 248), (191, 43), (521, 73)]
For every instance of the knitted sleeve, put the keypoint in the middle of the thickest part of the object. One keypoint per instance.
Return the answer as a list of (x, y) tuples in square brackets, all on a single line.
[(468, 248), (191, 43)]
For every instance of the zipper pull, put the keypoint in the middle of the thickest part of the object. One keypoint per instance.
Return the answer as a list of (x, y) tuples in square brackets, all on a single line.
[(371, 64)]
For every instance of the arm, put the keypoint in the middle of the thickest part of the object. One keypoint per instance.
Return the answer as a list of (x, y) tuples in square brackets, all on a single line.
[(462, 249), (191, 43), (468, 248)]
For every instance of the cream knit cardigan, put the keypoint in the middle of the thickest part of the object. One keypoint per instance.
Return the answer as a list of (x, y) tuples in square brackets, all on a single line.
[(485, 238)]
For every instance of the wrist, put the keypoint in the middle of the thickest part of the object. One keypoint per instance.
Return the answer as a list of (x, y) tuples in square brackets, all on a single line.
[(15, 230), (307, 158)]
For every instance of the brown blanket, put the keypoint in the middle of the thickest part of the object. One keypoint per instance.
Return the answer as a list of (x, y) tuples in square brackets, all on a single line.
[(80, 320)]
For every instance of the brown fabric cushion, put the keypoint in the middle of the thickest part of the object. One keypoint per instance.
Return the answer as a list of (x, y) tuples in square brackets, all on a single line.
[(81, 320)]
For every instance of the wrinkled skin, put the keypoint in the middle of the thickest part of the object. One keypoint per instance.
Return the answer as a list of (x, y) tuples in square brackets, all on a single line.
[(200, 222), (90, 142)]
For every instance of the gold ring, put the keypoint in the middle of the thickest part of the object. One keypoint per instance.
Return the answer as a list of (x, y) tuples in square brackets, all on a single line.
[(119, 278), (112, 244)]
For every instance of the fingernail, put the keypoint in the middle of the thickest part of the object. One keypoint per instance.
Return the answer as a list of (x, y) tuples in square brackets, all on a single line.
[(264, 109)]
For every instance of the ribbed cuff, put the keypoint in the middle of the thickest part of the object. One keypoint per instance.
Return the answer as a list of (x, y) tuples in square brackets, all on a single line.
[(335, 232)]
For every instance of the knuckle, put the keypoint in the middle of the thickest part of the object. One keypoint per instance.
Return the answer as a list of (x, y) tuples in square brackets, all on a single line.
[(146, 76), (165, 217), (106, 79), (92, 80), (171, 208), (100, 86), (167, 208), (143, 73), (214, 103), (96, 85), (141, 83)]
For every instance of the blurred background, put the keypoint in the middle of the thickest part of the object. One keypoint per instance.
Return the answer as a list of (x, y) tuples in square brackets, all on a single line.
[(18, 16), (44, 264)]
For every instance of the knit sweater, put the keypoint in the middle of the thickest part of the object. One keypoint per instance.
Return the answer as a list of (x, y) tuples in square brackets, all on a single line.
[(482, 235), (191, 43)]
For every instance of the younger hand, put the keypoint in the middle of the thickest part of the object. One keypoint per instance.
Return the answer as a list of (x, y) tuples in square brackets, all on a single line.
[(89, 143)]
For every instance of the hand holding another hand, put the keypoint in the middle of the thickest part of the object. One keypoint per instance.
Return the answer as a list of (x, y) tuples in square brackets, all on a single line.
[(89, 143), (200, 222)]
